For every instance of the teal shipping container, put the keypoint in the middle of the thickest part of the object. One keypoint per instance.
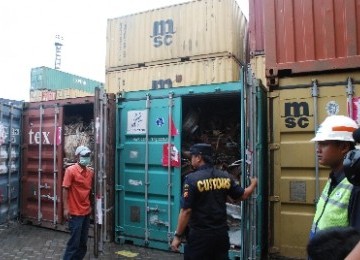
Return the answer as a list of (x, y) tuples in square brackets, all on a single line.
[(51, 79), (10, 147), (155, 130)]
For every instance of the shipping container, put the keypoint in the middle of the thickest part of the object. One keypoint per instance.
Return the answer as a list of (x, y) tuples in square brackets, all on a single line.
[(309, 36), (43, 78), (188, 73), (156, 129), (188, 30), (296, 108), (51, 132), (256, 27), (10, 150), (37, 95)]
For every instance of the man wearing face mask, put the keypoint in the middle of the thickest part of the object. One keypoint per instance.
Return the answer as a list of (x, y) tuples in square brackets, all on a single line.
[(77, 186)]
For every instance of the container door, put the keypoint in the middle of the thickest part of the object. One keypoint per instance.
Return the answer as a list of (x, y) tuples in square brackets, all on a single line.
[(148, 170), (10, 136), (296, 109), (254, 154), (104, 153), (42, 162)]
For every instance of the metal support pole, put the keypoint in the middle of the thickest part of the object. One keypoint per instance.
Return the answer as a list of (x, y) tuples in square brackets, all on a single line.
[(10, 161), (41, 111), (349, 96), (56, 108), (315, 95), (147, 169), (171, 104)]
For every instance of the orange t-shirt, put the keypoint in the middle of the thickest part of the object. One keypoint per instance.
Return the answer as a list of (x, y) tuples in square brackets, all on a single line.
[(79, 183)]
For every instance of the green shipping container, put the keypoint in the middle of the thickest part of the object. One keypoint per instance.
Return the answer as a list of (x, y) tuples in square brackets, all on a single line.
[(149, 185), (47, 78)]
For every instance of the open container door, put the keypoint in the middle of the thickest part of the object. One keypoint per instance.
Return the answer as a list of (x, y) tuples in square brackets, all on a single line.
[(146, 177)]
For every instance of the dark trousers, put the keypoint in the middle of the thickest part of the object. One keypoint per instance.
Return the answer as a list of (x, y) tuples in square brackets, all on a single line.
[(79, 229), (210, 245)]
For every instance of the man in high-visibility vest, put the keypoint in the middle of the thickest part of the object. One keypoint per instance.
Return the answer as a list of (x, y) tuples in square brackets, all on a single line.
[(339, 203)]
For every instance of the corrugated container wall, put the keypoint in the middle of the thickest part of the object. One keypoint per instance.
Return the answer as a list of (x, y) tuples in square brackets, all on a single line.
[(189, 73), (10, 147), (307, 36), (191, 29), (295, 185), (51, 79), (256, 27)]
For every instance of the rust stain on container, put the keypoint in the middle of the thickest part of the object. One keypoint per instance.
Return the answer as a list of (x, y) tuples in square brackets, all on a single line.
[(306, 36)]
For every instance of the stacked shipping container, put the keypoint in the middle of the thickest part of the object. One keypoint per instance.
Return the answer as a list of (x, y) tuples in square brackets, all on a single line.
[(50, 84), (312, 65), (176, 46), (198, 49)]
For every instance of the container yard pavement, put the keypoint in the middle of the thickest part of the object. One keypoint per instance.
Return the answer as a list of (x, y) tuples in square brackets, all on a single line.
[(31, 242)]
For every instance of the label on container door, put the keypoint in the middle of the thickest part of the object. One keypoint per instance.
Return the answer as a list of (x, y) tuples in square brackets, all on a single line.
[(137, 122)]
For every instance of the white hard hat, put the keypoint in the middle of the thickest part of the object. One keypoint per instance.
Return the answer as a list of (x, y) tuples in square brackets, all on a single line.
[(82, 150), (336, 127)]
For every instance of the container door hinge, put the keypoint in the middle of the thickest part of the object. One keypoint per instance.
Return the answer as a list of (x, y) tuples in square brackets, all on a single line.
[(274, 146), (274, 198), (119, 187), (274, 94)]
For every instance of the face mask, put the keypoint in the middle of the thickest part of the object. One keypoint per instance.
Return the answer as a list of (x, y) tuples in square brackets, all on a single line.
[(85, 161)]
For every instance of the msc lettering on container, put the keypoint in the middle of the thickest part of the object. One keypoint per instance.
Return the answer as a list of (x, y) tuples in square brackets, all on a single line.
[(297, 114), (163, 32)]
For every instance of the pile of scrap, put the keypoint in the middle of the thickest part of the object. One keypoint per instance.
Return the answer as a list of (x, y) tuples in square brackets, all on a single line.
[(77, 132)]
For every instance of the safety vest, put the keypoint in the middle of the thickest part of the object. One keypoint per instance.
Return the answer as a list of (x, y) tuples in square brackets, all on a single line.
[(332, 210)]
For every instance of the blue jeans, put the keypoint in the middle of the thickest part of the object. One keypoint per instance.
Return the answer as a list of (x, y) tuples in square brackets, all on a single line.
[(79, 229)]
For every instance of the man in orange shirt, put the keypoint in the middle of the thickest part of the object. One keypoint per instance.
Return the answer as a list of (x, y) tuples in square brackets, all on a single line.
[(77, 186)]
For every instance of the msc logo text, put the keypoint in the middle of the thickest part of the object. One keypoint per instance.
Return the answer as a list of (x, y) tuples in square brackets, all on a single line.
[(297, 114), (163, 32)]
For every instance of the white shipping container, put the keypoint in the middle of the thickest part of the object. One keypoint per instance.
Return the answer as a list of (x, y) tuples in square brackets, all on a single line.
[(48, 95), (192, 29), (197, 72)]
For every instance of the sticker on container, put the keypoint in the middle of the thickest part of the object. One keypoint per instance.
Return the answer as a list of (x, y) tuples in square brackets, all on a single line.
[(356, 109), (136, 123), (160, 122), (332, 108), (174, 156), (135, 182)]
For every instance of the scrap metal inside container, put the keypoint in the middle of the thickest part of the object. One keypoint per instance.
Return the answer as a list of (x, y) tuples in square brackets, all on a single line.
[(208, 119), (78, 130)]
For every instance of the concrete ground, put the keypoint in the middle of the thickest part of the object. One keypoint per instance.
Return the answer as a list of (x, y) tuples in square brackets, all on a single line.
[(18, 241)]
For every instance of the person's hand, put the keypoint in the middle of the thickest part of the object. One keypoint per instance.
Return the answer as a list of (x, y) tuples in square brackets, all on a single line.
[(66, 214), (175, 244), (253, 181)]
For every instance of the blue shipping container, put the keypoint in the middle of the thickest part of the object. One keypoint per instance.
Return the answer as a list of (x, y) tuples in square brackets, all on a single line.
[(148, 184), (51, 79), (10, 140)]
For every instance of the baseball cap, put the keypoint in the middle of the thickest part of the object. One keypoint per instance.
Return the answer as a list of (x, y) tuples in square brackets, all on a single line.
[(82, 150), (201, 148)]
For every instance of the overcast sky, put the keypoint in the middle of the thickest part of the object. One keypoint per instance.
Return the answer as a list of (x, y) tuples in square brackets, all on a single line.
[(28, 29)]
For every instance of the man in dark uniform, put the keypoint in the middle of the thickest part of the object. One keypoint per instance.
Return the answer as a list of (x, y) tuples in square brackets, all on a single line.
[(203, 207)]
